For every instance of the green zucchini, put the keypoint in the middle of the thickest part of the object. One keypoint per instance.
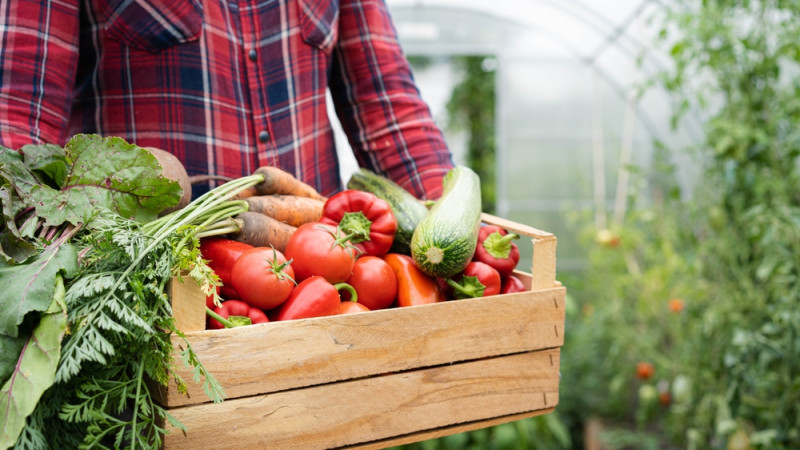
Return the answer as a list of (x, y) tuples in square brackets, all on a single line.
[(408, 210), (444, 241)]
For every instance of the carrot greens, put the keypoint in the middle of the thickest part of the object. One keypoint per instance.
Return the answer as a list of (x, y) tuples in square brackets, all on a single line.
[(85, 261)]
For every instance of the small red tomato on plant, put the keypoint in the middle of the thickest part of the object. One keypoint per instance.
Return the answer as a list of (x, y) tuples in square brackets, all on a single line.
[(476, 280), (374, 281), (495, 248), (369, 218), (263, 277), (236, 313), (676, 305), (645, 370), (321, 249), (313, 297)]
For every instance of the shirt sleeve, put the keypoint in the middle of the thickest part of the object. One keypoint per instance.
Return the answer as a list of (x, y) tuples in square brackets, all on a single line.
[(389, 126), (38, 59)]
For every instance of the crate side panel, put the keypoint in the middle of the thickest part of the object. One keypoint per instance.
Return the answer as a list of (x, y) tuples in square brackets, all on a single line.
[(446, 431), (284, 355), (368, 409), (188, 304)]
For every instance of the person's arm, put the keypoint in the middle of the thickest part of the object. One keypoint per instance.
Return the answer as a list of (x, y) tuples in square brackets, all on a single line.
[(389, 126), (38, 58)]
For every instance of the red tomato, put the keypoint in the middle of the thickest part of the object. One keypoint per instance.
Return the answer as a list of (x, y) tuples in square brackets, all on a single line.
[(374, 281), (316, 249), (645, 370), (262, 277)]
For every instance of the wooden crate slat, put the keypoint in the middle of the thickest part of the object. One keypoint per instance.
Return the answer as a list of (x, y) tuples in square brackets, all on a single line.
[(283, 355), (446, 431), (369, 409)]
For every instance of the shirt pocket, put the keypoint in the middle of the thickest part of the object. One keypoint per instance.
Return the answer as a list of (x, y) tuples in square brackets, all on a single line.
[(152, 25), (319, 23)]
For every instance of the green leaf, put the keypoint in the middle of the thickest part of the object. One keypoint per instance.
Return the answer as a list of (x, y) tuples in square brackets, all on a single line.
[(107, 172), (35, 371), (29, 287), (47, 160), (10, 349)]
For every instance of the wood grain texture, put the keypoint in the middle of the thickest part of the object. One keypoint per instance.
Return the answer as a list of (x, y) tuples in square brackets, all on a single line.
[(446, 431), (188, 304), (283, 355), (368, 409)]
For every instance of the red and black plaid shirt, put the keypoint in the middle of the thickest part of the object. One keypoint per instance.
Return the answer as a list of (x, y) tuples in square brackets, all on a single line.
[(225, 85)]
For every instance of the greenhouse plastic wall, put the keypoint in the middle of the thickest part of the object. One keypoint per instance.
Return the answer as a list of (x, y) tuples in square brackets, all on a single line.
[(568, 118)]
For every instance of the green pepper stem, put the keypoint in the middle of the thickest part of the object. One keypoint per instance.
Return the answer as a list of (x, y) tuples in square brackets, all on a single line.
[(472, 288), (356, 223), (498, 245), (348, 288), (225, 322)]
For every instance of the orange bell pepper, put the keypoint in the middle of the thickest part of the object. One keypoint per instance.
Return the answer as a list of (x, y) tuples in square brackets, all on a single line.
[(414, 287)]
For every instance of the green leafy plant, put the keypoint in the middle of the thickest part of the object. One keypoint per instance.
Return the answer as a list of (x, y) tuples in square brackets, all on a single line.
[(471, 109), (89, 324), (730, 252)]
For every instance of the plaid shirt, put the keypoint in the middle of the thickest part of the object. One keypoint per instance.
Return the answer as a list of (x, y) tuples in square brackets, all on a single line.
[(226, 85)]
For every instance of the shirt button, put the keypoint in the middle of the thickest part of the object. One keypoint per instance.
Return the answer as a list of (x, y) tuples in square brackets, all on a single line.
[(252, 55), (263, 136)]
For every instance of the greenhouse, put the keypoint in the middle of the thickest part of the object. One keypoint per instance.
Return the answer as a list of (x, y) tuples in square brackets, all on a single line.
[(400, 224), (570, 109)]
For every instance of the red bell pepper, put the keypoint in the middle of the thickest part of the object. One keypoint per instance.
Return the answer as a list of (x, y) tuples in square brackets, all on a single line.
[(234, 313), (313, 297), (495, 248), (512, 284), (221, 253), (363, 214), (476, 280)]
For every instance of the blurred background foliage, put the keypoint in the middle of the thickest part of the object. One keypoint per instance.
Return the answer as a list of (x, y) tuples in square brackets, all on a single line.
[(683, 327)]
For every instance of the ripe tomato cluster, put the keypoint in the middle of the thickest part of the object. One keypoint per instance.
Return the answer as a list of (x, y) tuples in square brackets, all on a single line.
[(342, 264)]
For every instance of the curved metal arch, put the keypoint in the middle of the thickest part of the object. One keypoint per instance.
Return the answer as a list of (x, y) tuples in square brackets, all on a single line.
[(613, 34)]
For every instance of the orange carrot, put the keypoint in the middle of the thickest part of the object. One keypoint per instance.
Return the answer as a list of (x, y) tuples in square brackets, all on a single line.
[(246, 193), (260, 230), (290, 209), (278, 181)]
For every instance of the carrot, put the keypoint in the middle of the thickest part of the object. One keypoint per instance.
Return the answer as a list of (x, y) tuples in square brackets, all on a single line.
[(247, 193), (278, 181), (290, 209), (260, 230)]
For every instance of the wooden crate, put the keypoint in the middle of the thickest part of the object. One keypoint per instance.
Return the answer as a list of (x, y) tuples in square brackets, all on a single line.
[(380, 378)]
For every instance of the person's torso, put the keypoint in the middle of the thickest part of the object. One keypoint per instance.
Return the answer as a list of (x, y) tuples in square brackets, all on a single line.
[(227, 86)]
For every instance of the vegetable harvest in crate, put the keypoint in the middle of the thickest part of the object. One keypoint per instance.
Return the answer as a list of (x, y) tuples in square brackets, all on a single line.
[(93, 234)]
